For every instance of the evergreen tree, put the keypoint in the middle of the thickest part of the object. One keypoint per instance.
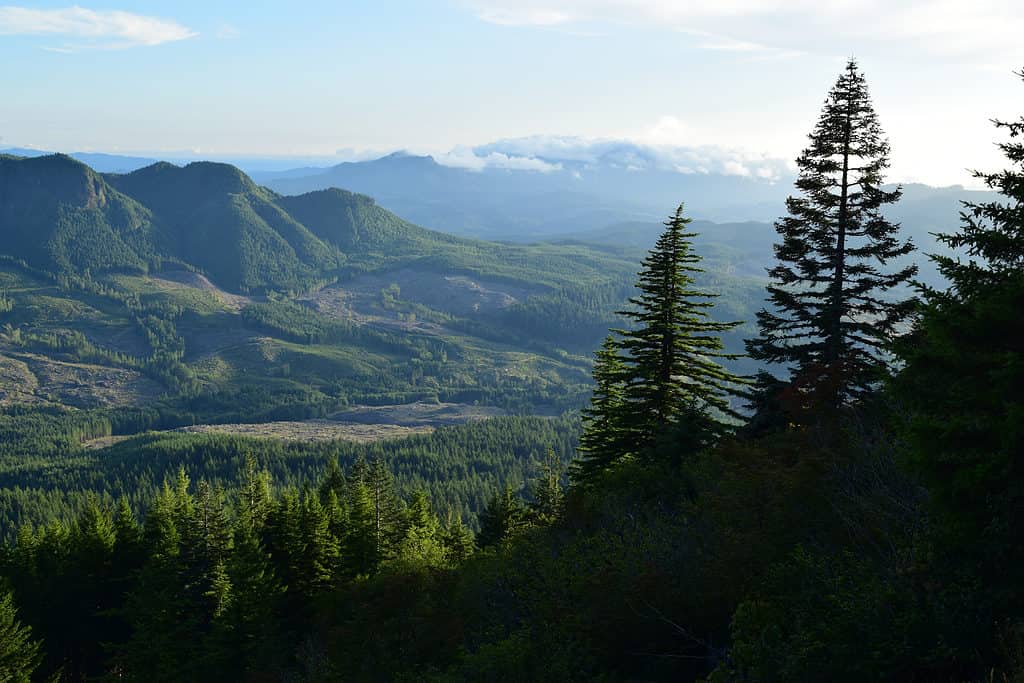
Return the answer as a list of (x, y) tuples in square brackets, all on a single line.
[(422, 545), (670, 377), (458, 540), (832, 316), (962, 389), (361, 554), (206, 548), (20, 655), (503, 518), (88, 601), (320, 549), (333, 480), (603, 440), (547, 490), (255, 500), (387, 514)]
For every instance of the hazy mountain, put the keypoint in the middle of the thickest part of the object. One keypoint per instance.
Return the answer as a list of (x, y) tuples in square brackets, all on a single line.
[(524, 204), (567, 191)]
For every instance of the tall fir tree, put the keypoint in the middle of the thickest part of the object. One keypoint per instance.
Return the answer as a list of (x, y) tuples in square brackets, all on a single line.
[(962, 390), (833, 315), (662, 375)]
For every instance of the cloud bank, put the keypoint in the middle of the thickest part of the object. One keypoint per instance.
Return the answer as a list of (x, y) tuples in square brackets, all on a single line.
[(478, 159), (91, 29), (547, 154)]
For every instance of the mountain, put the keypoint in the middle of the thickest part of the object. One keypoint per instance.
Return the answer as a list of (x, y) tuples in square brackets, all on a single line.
[(567, 193), (192, 283), (566, 196), (57, 213), (213, 216), (98, 161)]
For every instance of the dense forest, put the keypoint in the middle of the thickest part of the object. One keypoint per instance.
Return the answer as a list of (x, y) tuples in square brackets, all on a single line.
[(852, 514)]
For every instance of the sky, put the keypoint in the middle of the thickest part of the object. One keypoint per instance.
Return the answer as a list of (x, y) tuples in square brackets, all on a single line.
[(343, 79)]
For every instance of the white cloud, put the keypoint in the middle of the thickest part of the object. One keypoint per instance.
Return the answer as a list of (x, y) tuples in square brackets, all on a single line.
[(464, 157), (976, 29), (638, 155), (91, 29)]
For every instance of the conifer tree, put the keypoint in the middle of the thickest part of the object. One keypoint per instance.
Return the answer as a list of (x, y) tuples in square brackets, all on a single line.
[(603, 442), (662, 375), (832, 313), (422, 543), (20, 654), (361, 554), (255, 500), (502, 519), (547, 490), (458, 540), (320, 549), (962, 388)]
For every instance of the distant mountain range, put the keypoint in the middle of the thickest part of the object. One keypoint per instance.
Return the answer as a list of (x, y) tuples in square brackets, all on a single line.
[(537, 189)]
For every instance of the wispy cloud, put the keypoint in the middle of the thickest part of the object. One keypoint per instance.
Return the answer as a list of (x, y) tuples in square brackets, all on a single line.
[(980, 30), (91, 29)]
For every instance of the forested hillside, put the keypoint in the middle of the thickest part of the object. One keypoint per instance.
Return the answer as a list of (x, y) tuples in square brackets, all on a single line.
[(849, 509)]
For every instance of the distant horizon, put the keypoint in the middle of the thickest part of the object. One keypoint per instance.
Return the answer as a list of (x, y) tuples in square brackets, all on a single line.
[(283, 163), (337, 80)]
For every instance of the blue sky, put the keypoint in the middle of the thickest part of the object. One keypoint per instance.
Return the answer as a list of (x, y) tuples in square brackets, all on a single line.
[(348, 78)]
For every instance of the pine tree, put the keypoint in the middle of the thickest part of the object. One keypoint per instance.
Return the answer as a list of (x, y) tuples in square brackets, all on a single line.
[(422, 543), (547, 490), (206, 549), (458, 540), (20, 655), (255, 500), (671, 377), (832, 314), (88, 602), (962, 388), (502, 519), (360, 555), (333, 480), (603, 440), (320, 549)]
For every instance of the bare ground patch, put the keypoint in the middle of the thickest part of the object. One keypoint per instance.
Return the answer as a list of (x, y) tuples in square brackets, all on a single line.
[(17, 383), (415, 414), (88, 386), (312, 430), (362, 424), (180, 279)]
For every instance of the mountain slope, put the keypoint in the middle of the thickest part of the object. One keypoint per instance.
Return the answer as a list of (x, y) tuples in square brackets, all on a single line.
[(58, 214), (213, 216)]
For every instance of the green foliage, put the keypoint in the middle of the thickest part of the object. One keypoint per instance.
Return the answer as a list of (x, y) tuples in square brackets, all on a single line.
[(962, 392), (19, 653), (45, 475)]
